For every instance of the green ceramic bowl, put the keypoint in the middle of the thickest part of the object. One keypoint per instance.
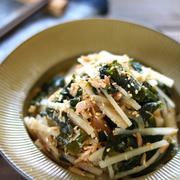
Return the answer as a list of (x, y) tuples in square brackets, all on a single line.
[(56, 48)]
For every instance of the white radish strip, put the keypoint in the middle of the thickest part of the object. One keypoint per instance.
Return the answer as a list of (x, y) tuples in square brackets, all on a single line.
[(85, 86), (153, 82), (156, 75), (90, 70), (138, 168), (89, 168), (108, 110), (56, 106), (111, 171), (106, 57), (127, 155), (128, 99), (131, 102), (97, 155), (83, 165), (147, 131), (123, 91), (166, 80), (117, 108), (82, 123), (170, 102)]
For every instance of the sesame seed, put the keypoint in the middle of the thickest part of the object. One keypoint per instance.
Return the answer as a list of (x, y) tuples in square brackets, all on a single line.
[(137, 115), (134, 113), (128, 86), (108, 149), (131, 148), (98, 113), (136, 91)]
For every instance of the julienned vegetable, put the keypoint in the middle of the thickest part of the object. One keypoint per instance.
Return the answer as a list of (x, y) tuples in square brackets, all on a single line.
[(113, 118)]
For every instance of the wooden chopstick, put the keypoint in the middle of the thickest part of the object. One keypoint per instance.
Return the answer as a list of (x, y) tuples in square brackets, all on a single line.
[(18, 17)]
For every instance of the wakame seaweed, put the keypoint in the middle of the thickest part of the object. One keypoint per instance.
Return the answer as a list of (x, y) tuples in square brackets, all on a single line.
[(103, 136), (75, 145), (53, 84), (65, 92), (147, 111), (163, 158), (48, 88), (120, 76), (128, 164), (76, 99), (136, 65), (65, 124), (119, 143), (167, 90)]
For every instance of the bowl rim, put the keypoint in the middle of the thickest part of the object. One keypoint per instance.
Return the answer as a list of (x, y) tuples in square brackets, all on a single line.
[(84, 20)]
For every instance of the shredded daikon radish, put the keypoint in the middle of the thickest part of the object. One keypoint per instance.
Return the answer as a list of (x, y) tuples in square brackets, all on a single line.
[(131, 102), (108, 110), (90, 168), (117, 108), (55, 105), (153, 82), (111, 171), (160, 77), (83, 165), (97, 155), (127, 155), (147, 131), (128, 98), (89, 69), (139, 168), (84, 124)]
